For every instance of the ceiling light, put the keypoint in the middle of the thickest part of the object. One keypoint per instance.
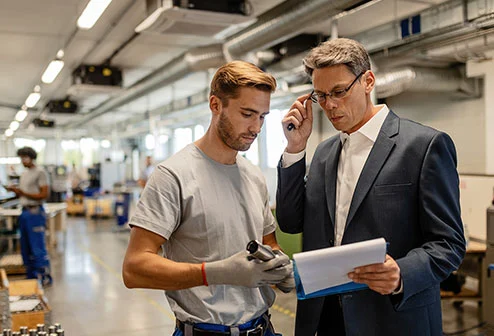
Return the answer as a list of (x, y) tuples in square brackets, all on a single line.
[(52, 71), (60, 54), (91, 13), (14, 125), (32, 99), (21, 115), (9, 132)]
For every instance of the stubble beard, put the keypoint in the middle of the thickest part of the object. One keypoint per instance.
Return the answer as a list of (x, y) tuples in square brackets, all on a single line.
[(226, 133)]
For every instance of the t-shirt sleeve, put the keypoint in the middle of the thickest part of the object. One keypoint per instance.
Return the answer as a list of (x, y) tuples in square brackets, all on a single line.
[(42, 179), (158, 209), (269, 221)]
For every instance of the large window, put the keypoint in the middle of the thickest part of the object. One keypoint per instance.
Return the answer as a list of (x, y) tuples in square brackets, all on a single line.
[(275, 139), (253, 153), (181, 138)]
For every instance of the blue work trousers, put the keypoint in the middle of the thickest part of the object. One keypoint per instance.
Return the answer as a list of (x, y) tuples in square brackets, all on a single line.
[(264, 320), (268, 332), (32, 224)]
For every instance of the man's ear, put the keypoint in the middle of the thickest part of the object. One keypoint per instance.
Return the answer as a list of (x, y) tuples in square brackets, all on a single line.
[(215, 105), (370, 81)]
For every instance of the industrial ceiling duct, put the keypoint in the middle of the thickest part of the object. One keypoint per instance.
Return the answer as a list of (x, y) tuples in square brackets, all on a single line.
[(276, 26), (393, 82), (284, 22)]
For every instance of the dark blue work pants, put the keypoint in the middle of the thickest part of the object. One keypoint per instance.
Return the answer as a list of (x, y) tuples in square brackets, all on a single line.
[(32, 224)]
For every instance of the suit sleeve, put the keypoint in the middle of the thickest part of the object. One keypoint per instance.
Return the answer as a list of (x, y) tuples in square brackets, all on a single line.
[(290, 196), (440, 221)]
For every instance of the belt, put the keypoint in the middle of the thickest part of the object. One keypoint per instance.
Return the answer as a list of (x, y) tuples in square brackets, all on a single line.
[(255, 331), (30, 207)]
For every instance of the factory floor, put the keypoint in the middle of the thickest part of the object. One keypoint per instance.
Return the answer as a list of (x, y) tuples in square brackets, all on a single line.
[(89, 299)]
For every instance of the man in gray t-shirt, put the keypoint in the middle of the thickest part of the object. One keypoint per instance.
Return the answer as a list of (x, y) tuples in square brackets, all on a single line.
[(202, 206), (32, 191)]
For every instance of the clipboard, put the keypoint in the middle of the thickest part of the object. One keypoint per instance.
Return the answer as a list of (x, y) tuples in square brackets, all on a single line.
[(299, 287), (379, 247)]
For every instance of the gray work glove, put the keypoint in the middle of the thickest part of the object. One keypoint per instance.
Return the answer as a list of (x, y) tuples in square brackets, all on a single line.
[(288, 283), (239, 270)]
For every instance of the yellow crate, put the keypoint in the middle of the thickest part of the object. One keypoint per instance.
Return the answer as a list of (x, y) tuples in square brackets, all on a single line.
[(102, 207)]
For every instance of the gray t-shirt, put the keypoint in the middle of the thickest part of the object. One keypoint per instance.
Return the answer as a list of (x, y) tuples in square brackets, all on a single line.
[(31, 181), (208, 211)]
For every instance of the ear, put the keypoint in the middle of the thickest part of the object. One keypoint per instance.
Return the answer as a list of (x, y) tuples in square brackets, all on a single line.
[(370, 81), (215, 105)]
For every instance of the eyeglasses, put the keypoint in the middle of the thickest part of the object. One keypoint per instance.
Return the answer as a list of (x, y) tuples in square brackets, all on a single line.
[(320, 97)]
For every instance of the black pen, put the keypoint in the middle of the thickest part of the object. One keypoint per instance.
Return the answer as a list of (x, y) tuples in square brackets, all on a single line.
[(291, 125)]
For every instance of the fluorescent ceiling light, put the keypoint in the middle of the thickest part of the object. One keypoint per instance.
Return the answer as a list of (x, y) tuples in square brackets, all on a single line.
[(92, 13), (32, 99), (21, 115), (9, 132), (14, 125), (52, 71)]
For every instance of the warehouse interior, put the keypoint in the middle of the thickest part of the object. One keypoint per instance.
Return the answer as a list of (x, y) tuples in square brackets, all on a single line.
[(135, 84)]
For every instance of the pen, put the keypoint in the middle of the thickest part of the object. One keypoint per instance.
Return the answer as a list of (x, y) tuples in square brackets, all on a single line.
[(291, 125)]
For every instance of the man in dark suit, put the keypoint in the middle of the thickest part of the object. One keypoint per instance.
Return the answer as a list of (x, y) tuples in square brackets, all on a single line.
[(381, 176)]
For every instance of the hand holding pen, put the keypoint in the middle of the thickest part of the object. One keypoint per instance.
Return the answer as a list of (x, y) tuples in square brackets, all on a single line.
[(297, 124)]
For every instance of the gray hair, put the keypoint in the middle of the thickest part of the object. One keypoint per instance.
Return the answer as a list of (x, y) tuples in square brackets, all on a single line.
[(338, 51)]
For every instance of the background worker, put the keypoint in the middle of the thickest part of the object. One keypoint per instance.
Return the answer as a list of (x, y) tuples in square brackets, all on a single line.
[(33, 189), (203, 205), (146, 172)]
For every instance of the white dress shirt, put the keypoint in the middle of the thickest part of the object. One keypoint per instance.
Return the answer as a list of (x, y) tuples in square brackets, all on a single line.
[(354, 154), (356, 149)]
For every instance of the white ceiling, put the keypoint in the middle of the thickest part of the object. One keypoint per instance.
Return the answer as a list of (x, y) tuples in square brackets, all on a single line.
[(32, 31)]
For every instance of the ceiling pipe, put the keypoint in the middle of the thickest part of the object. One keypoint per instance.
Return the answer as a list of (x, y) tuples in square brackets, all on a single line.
[(393, 82), (277, 25), (284, 22)]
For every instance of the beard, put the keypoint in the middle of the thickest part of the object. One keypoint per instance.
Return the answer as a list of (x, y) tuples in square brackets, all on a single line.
[(226, 133)]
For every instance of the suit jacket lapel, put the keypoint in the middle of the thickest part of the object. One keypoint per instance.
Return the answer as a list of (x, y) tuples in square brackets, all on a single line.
[(377, 157), (330, 178)]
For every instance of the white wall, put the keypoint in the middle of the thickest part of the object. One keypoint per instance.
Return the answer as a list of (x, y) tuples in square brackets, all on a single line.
[(463, 120)]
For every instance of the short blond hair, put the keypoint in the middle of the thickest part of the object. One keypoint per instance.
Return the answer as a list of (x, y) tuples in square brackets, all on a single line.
[(338, 51), (234, 75)]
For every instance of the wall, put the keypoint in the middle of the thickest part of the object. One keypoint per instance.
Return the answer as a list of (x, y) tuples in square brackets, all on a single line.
[(463, 120), (476, 194)]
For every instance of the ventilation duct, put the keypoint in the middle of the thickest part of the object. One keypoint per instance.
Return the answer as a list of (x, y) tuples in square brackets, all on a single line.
[(393, 82), (283, 23), (428, 29), (272, 28)]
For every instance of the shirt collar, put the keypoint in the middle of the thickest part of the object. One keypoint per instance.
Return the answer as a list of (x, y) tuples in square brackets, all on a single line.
[(372, 127)]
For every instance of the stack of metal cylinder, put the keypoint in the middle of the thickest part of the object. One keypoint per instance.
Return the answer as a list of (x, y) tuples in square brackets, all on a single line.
[(41, 330)]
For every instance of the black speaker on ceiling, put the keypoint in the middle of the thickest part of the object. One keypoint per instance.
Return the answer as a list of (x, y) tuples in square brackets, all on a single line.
[(97, 75), (62, 106), (38, 122)]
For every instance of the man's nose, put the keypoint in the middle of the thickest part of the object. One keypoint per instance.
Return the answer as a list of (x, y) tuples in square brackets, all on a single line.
[(329, 104), (256, 126)]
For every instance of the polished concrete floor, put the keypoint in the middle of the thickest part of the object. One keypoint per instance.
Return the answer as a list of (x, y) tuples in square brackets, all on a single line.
[(89, 299)]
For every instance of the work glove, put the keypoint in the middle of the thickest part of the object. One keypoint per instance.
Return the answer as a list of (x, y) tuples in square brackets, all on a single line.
[(288, 283), (241, 270)]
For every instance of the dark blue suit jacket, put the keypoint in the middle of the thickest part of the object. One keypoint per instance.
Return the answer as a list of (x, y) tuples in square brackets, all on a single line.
[(407, 193)]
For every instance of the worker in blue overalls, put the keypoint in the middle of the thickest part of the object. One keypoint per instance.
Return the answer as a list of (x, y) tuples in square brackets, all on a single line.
[(32, 191)]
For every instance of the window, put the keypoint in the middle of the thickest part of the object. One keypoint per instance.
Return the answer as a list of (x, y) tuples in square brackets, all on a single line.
[(181, 138), (253, 153), (276, 141)]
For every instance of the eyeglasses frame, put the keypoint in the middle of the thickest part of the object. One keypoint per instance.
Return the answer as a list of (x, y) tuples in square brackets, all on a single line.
[(330, 94)]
